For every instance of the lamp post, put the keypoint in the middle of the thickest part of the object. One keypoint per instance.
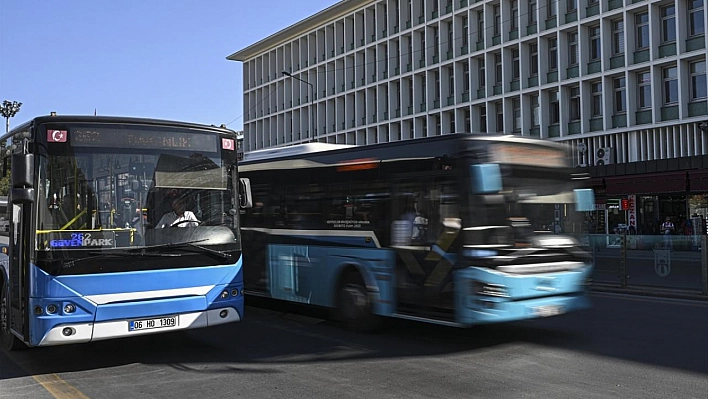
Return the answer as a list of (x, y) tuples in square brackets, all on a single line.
[(9, 110), (313, 110)]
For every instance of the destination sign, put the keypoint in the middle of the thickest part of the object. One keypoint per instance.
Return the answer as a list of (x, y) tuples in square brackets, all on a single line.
[(133, 138), (82, 240)]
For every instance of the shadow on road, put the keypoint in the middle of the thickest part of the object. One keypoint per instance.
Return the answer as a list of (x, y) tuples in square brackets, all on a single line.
[(662, 333)]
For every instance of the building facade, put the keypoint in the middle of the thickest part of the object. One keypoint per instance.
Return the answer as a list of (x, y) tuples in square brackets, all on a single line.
[(622, 81)]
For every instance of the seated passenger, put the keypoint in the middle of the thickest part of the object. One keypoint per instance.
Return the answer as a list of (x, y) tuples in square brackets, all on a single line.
[(179, 217)]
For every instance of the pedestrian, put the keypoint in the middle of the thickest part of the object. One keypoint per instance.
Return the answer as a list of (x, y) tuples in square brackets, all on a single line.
[(667, 229)]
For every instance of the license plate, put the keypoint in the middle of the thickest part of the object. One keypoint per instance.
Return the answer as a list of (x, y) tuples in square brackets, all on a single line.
[(549, 310), (157, 322)]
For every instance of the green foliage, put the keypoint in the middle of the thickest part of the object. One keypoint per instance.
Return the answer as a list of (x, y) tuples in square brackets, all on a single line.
[(5, 185)]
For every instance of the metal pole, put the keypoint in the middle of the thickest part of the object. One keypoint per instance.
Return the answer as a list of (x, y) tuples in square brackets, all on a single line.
[(313, 110)]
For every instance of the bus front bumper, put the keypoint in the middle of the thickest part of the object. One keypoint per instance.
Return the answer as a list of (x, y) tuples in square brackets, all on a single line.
[(75, 333)]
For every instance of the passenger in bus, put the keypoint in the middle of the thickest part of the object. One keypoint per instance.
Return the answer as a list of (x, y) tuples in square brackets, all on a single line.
[(179, 216)]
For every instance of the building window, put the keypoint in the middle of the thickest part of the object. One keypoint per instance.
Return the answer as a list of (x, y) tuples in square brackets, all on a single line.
[(533, 49), (572, 5), (516, 104), (515, 74), (670, 75), (574, 103), (450, 36), (498, 67), (698, 80), (465, 31), (695, 18), (480, 26), (642, 23), (596, 91), (620, 94), (644, 89), (573, 48), (436, 76), (514, 23), (451, 82), (592, 2), (496, 10), (535, 111), (466, 77), (554, 107), (668, 24), (552, 7), (482, 73), (483, 118), (500, 116), (552, 54), (595, 47), (532, 12), (618, 37)]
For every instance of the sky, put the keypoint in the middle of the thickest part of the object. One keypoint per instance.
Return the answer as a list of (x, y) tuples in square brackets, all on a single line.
[(140, 58)]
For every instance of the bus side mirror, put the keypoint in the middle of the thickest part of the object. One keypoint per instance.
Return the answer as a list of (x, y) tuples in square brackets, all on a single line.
[(22, 178), (584, 199), (486, 178), (245, 200)]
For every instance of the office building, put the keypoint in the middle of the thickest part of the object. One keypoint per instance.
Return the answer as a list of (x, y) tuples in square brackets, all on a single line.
[(623, 82)]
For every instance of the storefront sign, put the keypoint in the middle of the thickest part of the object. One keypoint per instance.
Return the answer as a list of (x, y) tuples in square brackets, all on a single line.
[(632, 212), (613, 203)]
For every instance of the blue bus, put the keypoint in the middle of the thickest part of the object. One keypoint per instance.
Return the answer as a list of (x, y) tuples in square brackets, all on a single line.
[(89, 256), (458, 229)]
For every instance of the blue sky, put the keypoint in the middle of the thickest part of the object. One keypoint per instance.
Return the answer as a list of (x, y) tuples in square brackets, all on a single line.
[(145, 58)]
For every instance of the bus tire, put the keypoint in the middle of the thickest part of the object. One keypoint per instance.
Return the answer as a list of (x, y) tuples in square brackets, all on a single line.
[(354, 305), (7, 339)]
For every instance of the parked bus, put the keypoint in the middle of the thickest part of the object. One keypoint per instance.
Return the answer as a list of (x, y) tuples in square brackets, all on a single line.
[(458, 229), (86, 259)]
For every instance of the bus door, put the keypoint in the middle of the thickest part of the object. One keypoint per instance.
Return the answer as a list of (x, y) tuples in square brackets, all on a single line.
[(424, 229), (20, 241)]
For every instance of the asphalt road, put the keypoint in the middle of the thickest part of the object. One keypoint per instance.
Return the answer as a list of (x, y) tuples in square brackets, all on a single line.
[(624, 347)]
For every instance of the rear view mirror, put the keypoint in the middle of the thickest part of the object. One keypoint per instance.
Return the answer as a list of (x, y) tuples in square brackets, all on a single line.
[(584, 199), (244, 193), (486, 178)]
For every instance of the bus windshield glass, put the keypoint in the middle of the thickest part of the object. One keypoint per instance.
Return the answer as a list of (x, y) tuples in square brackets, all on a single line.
[(107, 188)]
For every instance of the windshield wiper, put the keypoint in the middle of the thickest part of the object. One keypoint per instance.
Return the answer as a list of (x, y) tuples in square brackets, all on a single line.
[(191, 244)]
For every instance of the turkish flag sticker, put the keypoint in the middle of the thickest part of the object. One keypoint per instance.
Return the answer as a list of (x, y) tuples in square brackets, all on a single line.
[(56, 136), (227, 144)]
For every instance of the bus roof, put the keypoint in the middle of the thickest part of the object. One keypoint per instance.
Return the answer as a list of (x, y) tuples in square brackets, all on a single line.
[(112, 119), (421, 147), (293, 150)]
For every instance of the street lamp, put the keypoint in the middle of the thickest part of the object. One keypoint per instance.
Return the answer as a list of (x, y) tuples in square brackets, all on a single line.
[(313, 110), (9, 110), (703, 126)]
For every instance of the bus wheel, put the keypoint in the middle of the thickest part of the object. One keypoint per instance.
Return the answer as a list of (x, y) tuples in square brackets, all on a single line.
[(7, 340), (354, 308)]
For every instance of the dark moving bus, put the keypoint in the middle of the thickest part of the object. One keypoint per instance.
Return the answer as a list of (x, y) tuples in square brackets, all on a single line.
[(458, 229)]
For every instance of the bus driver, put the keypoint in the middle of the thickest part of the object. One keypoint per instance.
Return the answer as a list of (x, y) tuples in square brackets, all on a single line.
[(179, 216)]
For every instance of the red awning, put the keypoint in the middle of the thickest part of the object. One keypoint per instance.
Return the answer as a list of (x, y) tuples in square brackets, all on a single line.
[(651, 183)]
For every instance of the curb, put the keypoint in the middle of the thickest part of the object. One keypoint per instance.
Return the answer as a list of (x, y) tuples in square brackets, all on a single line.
[(652, 292)]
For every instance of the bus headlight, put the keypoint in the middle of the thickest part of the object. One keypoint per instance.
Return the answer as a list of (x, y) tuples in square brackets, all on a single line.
[(234, 292), (224, 294), (554, 241), (488, 289), (69, 308), (51, 308)]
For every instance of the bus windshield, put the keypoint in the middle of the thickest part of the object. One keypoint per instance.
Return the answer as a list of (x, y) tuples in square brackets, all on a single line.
[(101, 194)]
